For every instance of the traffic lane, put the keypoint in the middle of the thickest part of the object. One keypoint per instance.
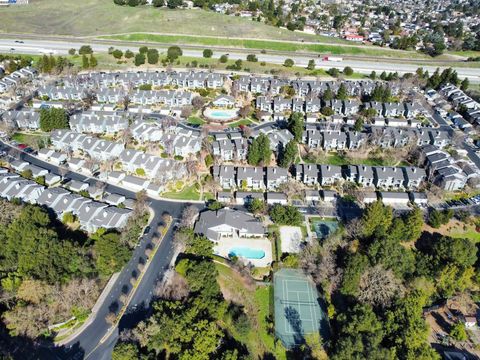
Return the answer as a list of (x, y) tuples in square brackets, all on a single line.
[(139, 307), (361, 66)]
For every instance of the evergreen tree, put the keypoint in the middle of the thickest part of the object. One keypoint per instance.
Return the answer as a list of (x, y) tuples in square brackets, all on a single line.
[(289, 154), (85, 62), (296, 125), (342, 92)]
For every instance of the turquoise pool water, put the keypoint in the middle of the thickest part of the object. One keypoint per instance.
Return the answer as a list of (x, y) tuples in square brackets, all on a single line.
[(247, 253), (221, 114)]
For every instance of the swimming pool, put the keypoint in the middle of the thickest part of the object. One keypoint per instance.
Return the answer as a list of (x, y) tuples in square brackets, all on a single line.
[(247, 253), (221, 114)]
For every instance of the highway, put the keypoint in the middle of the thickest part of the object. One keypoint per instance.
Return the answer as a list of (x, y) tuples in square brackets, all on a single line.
[(87, 344), (35, 46)]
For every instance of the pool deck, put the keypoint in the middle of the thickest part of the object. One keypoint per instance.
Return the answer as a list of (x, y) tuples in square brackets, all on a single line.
[(209, 114), (225, 245)]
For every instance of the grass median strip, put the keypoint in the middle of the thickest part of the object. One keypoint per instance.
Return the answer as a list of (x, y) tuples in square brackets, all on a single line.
[(334, 49)]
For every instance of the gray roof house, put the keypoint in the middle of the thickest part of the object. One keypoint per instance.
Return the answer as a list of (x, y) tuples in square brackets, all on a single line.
[(276, 176), (227, 223), (389, 177), (329, 174), (250, 177)]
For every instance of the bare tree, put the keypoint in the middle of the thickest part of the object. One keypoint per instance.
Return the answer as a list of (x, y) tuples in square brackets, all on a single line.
[(111, 318), (189, 215), (198, 102), (378, 287), (292, 188), (174, 288)]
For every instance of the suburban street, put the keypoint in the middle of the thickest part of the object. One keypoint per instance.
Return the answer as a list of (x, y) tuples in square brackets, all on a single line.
[(87, 344), (34, 46)]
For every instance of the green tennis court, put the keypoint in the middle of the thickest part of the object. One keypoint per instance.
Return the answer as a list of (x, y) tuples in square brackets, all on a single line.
[(297, 308)]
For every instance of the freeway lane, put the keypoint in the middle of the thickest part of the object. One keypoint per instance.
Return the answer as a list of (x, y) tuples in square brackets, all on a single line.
[(30, 46), (86, 344)]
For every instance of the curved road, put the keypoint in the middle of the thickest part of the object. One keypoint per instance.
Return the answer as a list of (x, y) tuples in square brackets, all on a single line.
[(87, 344)]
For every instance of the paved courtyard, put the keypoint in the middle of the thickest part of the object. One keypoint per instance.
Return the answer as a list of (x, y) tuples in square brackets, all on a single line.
[(291, 239)]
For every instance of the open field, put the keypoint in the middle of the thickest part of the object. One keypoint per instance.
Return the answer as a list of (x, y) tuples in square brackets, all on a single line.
[(335, 49), (103, 17)]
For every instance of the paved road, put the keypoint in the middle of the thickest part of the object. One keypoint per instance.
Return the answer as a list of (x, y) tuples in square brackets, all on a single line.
[(33, 46), (86, 345)]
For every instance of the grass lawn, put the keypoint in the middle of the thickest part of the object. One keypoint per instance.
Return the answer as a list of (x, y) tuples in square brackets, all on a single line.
[(457, 229), (29, 139), (335, 49), (256, 303), (339, 160), (187, 193), (244, 122), (195, 120), (103, 17)]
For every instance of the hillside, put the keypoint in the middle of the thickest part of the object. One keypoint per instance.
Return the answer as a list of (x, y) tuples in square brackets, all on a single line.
[(102, 17)]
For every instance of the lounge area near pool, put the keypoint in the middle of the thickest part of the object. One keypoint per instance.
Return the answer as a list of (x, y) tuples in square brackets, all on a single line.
[(256, 251)]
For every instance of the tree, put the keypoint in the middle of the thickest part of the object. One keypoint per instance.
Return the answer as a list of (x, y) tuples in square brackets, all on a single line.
[(223, 59), (288, 63), (117, 54), (376, 216), (93, 61), (110, 254), (207, 53), (289, 154), (173, 53), (125, 351), (72, 52), (252, 58), (414, 224), (311, 65), (143, 50), (285, 215), (85, 62), (189, 215), (257, 206), (296, 125), (457, 332), (378, 287), (85, 50), (327, 111), (465, 84), (139, 59), (129, 54), (158, 3), (259, 151), (327, 95), (53, 118), (342, 93), (333, 72), (348, 71), (437, 218), (152, 56), (215, 205), (358, 126), (173, 4)]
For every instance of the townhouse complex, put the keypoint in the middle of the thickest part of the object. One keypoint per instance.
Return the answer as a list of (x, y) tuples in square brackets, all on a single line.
[(141, 138)]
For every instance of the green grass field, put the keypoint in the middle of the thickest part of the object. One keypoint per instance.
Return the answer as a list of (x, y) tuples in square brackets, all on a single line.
[(188, 193), (338, 49), (103, 17)]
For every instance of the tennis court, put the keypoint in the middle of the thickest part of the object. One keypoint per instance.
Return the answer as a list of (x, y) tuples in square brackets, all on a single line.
[(297, 308)]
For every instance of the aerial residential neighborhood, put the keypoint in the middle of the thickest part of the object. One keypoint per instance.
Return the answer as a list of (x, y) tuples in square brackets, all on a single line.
[(239, 180)]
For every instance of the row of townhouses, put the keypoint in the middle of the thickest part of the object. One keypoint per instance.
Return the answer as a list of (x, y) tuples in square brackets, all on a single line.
[(279, 104), (98, 122), (271, 86), (171, 98), (15, 78), (459, 99), (271, 178), (131, 160), (256, 178), (230, 147), (190, 80), (384, 177), (91, 214), (445, 171), (384, 137)]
